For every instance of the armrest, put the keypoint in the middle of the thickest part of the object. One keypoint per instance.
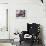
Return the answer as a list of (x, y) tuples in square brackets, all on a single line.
[(24, 32), (22, 35)]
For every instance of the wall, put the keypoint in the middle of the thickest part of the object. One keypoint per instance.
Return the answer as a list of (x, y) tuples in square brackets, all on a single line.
[(3, 1), (3, 21), (3, 34), (35, 13)]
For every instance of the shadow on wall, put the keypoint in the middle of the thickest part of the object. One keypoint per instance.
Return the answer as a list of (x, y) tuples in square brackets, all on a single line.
[(41, 34)]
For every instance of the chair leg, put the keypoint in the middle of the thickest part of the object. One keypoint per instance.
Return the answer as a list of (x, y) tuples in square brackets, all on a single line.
[(20, 42), (32, 42)]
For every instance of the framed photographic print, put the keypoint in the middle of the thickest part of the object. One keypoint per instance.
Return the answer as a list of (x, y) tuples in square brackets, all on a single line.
[(20, 13)]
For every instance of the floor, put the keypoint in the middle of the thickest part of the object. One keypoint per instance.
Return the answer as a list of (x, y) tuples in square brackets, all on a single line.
[(5, 44), (26, 44), (23, 44)]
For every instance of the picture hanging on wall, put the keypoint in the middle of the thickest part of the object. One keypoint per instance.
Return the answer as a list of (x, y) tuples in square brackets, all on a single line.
[(20, 13)]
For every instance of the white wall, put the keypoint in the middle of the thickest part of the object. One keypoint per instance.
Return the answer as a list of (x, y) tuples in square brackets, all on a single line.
[(3, 1), (3, 34), (35, 12), (3, 21)]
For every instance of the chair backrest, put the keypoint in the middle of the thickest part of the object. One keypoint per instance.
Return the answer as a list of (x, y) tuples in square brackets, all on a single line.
[(33, 28)]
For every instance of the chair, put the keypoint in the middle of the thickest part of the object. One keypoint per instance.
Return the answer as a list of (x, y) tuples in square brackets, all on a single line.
[(33, 30)]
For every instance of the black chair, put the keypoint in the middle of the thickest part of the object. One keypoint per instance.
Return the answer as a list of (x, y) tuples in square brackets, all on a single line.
[(32, 29)]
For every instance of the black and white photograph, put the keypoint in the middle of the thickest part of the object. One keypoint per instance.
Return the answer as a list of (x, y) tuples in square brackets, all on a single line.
[(22, 22)]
